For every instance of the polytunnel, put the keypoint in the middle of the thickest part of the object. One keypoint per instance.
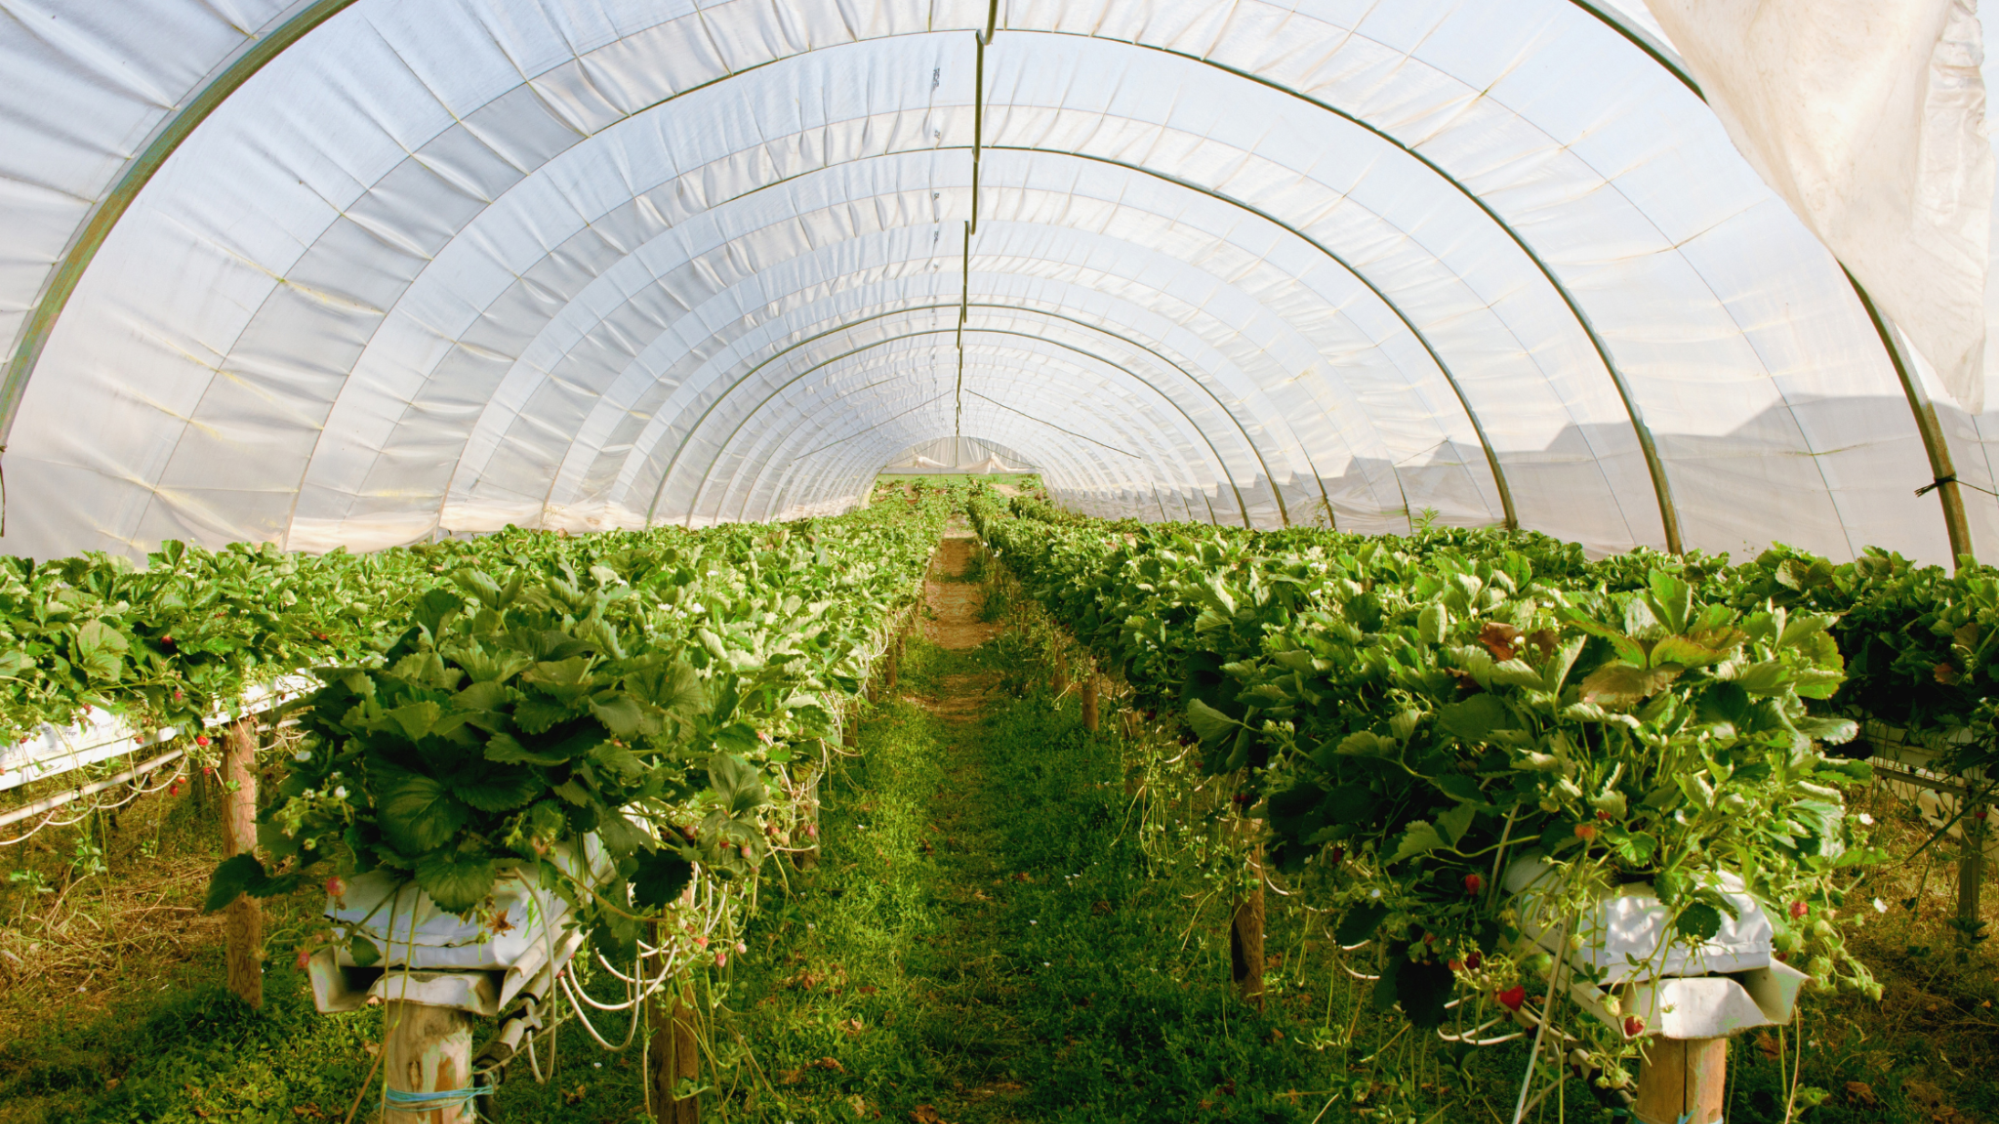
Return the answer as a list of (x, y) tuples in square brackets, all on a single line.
[(357, 272)]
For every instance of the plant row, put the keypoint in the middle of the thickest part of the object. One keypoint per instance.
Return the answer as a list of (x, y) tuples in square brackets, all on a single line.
[(650, 693), (1410, 717)]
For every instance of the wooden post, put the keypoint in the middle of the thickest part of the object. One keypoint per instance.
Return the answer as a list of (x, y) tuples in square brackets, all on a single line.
[(1682, 1080), (1246, 945), (1246, 927), (676, 1055), (242, 920), (429, 1052), (809, 857), (1090, 699), (1970, 874)]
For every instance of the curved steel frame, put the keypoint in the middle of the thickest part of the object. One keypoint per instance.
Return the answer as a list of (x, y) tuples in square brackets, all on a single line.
[(1092, 470), (780, 388), (1255, 450), (763, 463), (302, 19), (673, 461), (1510, 515)]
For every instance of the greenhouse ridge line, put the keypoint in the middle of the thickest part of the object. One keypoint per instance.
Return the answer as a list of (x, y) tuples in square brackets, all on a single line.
[(304, 17)]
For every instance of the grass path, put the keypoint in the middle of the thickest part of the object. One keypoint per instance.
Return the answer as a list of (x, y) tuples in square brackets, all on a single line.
[(982, 941)]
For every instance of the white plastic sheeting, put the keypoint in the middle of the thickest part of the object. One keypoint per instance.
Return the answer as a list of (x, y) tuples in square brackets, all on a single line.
[(1869, 119), (462, 264)]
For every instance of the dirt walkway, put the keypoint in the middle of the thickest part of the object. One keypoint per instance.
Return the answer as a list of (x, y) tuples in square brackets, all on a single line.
[(954, 596)]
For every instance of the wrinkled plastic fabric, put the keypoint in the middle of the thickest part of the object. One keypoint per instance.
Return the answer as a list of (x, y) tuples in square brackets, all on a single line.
[(1868, 117), (447, 267)]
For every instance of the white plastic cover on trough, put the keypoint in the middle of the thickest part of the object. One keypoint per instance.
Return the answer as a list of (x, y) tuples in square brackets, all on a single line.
[(478, 964), (335, 272)]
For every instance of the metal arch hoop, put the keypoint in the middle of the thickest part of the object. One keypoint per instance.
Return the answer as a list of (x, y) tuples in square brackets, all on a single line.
[(137, 173), (763, 466), (305, 17), (1478, 428), (1084, 467), (140, 170), (1250, 443), (673, 461), (1087, 467), (706, 472)]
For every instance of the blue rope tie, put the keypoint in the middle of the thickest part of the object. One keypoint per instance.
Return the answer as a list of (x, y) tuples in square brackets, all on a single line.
[(423, 1101)]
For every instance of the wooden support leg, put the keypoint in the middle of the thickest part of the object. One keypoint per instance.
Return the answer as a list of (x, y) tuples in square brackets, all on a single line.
[(1682, 1080), (675, 1056), (242, 920), (1090, 700), (1246, 945), (809, 824), (1970, 875), (429, 1051)]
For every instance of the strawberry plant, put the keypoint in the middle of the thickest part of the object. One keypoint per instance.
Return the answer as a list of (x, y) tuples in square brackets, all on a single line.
[(644, 692), (1412, 714)]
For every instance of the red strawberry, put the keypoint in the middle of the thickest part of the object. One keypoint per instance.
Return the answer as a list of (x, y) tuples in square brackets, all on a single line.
[(1634, 1026), (1512, 997), (1473, 960), (336, 887), (1455, 965), (1799, 909), (1474, 883), (201, 740), (1585, 832)]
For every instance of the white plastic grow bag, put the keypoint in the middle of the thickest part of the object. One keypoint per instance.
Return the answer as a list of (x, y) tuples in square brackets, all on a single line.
[(1682, 989), (430, 956)]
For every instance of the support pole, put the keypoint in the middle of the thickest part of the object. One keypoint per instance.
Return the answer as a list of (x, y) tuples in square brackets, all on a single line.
[(429, 1051), (808, 858), (1246, 936), (1090, 699), (242, 920), (1970, 875), (675, 1056), (1682, 1080)]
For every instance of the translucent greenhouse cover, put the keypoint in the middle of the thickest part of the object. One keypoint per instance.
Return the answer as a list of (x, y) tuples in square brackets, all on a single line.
[(355, 272)]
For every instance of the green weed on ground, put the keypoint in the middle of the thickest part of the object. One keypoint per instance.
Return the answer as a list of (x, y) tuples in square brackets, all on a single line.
[(985, 940)]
